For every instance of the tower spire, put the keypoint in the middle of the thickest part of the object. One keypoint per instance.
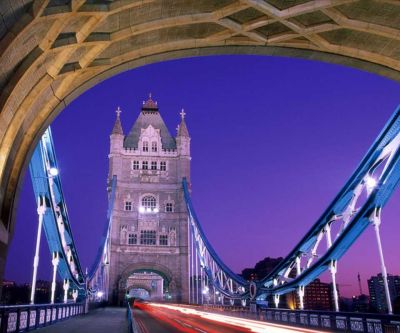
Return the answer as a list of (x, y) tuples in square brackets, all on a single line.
[(117, 129), (182, 128)]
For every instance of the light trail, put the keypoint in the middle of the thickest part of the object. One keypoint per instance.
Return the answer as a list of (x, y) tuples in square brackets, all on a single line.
[(252, 325)]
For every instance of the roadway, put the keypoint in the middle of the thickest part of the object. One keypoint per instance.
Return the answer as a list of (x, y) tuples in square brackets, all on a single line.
[(163, 318)]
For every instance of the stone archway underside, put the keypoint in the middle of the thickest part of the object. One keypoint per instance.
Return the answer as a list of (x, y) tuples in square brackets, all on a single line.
[(51, 51), (159, 269)]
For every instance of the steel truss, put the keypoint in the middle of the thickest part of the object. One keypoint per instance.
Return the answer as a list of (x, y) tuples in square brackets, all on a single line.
[(52, 211), (98, 277), (358, 205)]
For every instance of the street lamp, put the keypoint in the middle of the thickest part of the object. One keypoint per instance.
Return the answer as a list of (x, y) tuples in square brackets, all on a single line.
[(53, 171), (370, 182)]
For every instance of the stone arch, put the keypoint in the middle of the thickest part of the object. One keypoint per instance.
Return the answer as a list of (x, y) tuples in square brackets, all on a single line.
[(139, 286), (51, 54), (162, 270)]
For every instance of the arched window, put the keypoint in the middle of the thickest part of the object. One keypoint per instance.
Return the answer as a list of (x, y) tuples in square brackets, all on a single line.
[(148, 237), (163, 166), (169, 207), (149, 202), (163, 240), (128, 205), (132, 239), (145, 146), (135, 165)]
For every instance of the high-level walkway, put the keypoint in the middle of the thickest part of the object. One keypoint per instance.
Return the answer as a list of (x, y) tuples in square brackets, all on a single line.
[(102, 320)]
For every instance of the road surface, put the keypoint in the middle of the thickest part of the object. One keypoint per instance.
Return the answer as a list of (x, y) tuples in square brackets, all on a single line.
[(163, 318)]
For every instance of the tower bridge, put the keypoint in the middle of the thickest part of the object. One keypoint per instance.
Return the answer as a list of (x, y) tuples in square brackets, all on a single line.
[(154, 246), (149, 227)]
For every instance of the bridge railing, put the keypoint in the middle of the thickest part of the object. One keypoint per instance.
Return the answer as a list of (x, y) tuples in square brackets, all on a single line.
[(22, 318), (321, 320), (132, 324)]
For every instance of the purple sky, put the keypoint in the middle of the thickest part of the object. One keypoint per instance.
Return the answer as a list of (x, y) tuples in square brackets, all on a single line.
[(273, 141)]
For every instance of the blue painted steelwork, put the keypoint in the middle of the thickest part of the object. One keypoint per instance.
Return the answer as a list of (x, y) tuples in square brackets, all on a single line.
[(56, 221), (99, 272), (354, 208), (57, 226), (356, 205), (384, 154)]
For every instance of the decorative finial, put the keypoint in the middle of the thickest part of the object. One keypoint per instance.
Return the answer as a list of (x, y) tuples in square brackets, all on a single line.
[(177, 128), (118, 111), (183, 114), (150, 105)]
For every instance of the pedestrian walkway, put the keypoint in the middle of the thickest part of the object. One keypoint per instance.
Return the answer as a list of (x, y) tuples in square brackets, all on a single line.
[(102, 320)]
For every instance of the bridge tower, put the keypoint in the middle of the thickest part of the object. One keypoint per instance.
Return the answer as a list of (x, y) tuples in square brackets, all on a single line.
[(149, 220)]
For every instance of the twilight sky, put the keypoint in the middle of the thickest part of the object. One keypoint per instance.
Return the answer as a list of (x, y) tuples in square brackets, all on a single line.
[(273, 141)]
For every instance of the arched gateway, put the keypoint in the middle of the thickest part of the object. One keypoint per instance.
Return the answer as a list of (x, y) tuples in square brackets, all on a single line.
[(149, 219)]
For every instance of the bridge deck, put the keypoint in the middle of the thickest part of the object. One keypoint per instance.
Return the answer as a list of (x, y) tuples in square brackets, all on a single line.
[(102, 320)]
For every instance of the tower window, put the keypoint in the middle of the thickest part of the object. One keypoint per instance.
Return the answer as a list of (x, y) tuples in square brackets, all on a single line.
[(164, 240), (128, 205), (148, 237), (154, 146), (145, 146), (163, 166), (132, 239), (153, 165), (145, 165), (169, 207), (135, 165), (149, 202)]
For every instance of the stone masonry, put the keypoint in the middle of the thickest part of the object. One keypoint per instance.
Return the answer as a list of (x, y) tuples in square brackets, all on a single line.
[(149, 228)]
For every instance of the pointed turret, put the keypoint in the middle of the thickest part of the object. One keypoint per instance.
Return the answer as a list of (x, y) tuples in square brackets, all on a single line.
[(117, 129), (183, 147), (117, 134), (182, 128)]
